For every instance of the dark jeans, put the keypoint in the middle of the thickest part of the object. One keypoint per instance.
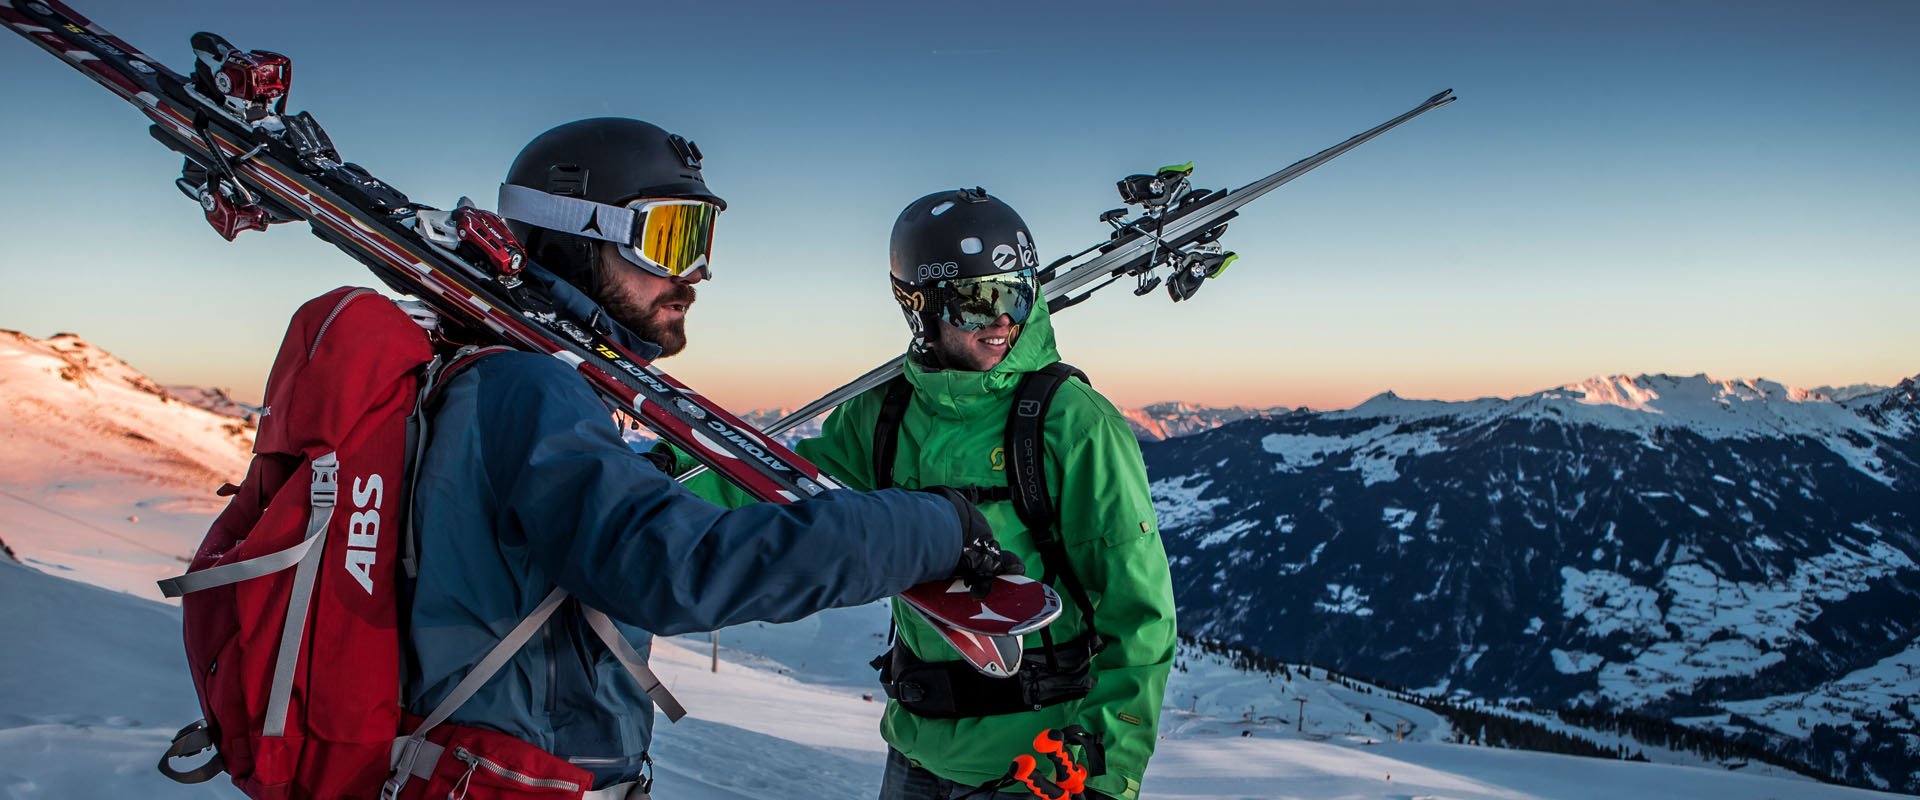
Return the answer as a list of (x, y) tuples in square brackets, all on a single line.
[(904, 781)]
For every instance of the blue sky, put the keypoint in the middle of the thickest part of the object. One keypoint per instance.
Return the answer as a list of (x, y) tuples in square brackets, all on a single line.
[(1727, 188)]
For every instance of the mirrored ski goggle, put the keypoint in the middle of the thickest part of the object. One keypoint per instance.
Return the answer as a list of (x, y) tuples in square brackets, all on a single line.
[(971, 304), (671, 238), (667, 237)]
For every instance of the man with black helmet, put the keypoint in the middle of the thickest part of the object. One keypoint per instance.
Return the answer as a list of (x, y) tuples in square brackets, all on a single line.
[(1081, 518), (524, 486)]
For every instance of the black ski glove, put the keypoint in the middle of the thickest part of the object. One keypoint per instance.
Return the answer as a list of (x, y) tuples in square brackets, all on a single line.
[(980, 555)]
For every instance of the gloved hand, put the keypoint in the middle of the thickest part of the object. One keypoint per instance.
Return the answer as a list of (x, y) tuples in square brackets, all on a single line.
[(980, 555), (665, 458)]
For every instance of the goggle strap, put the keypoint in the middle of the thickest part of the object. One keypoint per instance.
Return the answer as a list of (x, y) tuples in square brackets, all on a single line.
[(567, 214)]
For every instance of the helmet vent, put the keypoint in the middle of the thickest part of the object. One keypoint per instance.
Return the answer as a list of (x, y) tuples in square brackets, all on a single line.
[(971, 245), (942, 208)]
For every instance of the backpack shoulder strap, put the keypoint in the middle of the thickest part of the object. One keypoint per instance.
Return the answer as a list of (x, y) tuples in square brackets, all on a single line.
[(439, 373), (1027, 476), (1026, 445), (886, 430), (443, 369)]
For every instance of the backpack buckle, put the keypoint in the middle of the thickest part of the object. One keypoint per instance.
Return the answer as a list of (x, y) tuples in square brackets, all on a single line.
[(325, 488)]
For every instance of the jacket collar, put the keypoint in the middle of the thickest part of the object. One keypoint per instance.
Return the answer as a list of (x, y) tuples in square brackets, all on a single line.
[(576, 304), (962, 394)]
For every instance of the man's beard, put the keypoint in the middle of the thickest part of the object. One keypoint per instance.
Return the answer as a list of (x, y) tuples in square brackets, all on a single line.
[(651, 321)]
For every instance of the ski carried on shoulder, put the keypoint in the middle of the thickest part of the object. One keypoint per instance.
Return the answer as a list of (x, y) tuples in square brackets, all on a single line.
[(251, 164), (1179, 228)]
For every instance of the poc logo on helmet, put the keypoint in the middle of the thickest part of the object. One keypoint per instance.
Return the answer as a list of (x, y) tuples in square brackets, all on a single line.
[(944, 269), (363, 529)]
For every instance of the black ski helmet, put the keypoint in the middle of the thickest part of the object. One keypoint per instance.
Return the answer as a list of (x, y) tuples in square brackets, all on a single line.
[(608, 160), (957, 233)]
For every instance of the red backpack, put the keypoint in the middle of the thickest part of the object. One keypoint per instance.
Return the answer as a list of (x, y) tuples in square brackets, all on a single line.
[(292, 620)]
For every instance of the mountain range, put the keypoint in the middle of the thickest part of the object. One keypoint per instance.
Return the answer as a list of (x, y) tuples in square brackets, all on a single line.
[(1735, 555)]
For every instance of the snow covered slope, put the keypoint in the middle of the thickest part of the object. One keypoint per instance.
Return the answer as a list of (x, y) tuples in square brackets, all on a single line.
[(100, 686), (101, 469), (96, 685)]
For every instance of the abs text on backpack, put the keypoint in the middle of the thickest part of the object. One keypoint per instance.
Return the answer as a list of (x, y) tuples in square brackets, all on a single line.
[(291, 608)]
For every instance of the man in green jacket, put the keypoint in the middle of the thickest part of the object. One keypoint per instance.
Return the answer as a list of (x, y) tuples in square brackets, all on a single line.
[(964, 273)]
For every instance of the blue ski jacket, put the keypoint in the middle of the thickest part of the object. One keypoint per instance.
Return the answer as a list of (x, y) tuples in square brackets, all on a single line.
[(525, 484)]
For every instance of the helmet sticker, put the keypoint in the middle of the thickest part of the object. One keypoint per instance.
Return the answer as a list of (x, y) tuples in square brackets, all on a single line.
[(1004, 257), (1028, 258), (911, 301)]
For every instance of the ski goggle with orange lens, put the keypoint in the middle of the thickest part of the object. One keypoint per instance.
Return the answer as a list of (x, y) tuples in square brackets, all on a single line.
[(671, 238), (972, 304), (667, 237)]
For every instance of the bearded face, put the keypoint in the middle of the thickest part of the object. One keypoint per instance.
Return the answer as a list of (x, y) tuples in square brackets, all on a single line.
[(647, 304)]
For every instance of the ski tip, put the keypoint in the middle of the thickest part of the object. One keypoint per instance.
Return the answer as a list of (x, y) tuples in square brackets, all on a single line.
[(1445, 96)]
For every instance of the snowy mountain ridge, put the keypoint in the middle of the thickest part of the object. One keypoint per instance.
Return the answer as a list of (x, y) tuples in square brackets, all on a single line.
[(1159, 421), (1735, 408), (216, 400), (1715, 408), (1731, 553)]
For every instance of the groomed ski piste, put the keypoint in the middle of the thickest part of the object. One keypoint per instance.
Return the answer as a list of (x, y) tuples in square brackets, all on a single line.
[(106, 477)]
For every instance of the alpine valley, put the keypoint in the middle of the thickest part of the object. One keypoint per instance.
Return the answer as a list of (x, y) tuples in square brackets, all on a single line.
[(1737, 556)]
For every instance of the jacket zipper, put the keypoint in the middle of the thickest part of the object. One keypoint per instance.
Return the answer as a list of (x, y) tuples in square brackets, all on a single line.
[(553, 668), (328, 322), (476, 762)]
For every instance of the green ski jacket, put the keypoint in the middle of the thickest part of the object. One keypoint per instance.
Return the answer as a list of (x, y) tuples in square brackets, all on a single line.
[(954, 434)]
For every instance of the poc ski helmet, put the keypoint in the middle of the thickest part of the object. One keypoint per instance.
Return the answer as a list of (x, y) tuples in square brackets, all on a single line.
[(614, 180), (965, 257)]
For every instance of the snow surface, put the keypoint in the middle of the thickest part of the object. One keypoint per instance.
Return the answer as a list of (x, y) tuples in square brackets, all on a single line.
[(1575, 662), (1177, 502), (1857, 695), (1724, 627), (1376, 451), (100, 686), (103, 470)]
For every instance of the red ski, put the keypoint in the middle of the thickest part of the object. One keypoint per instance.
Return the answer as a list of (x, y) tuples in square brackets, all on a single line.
[(254, 164), (1013, 607)]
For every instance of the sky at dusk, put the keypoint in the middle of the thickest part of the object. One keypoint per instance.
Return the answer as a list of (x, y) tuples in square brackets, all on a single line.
[(1683, 187)]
